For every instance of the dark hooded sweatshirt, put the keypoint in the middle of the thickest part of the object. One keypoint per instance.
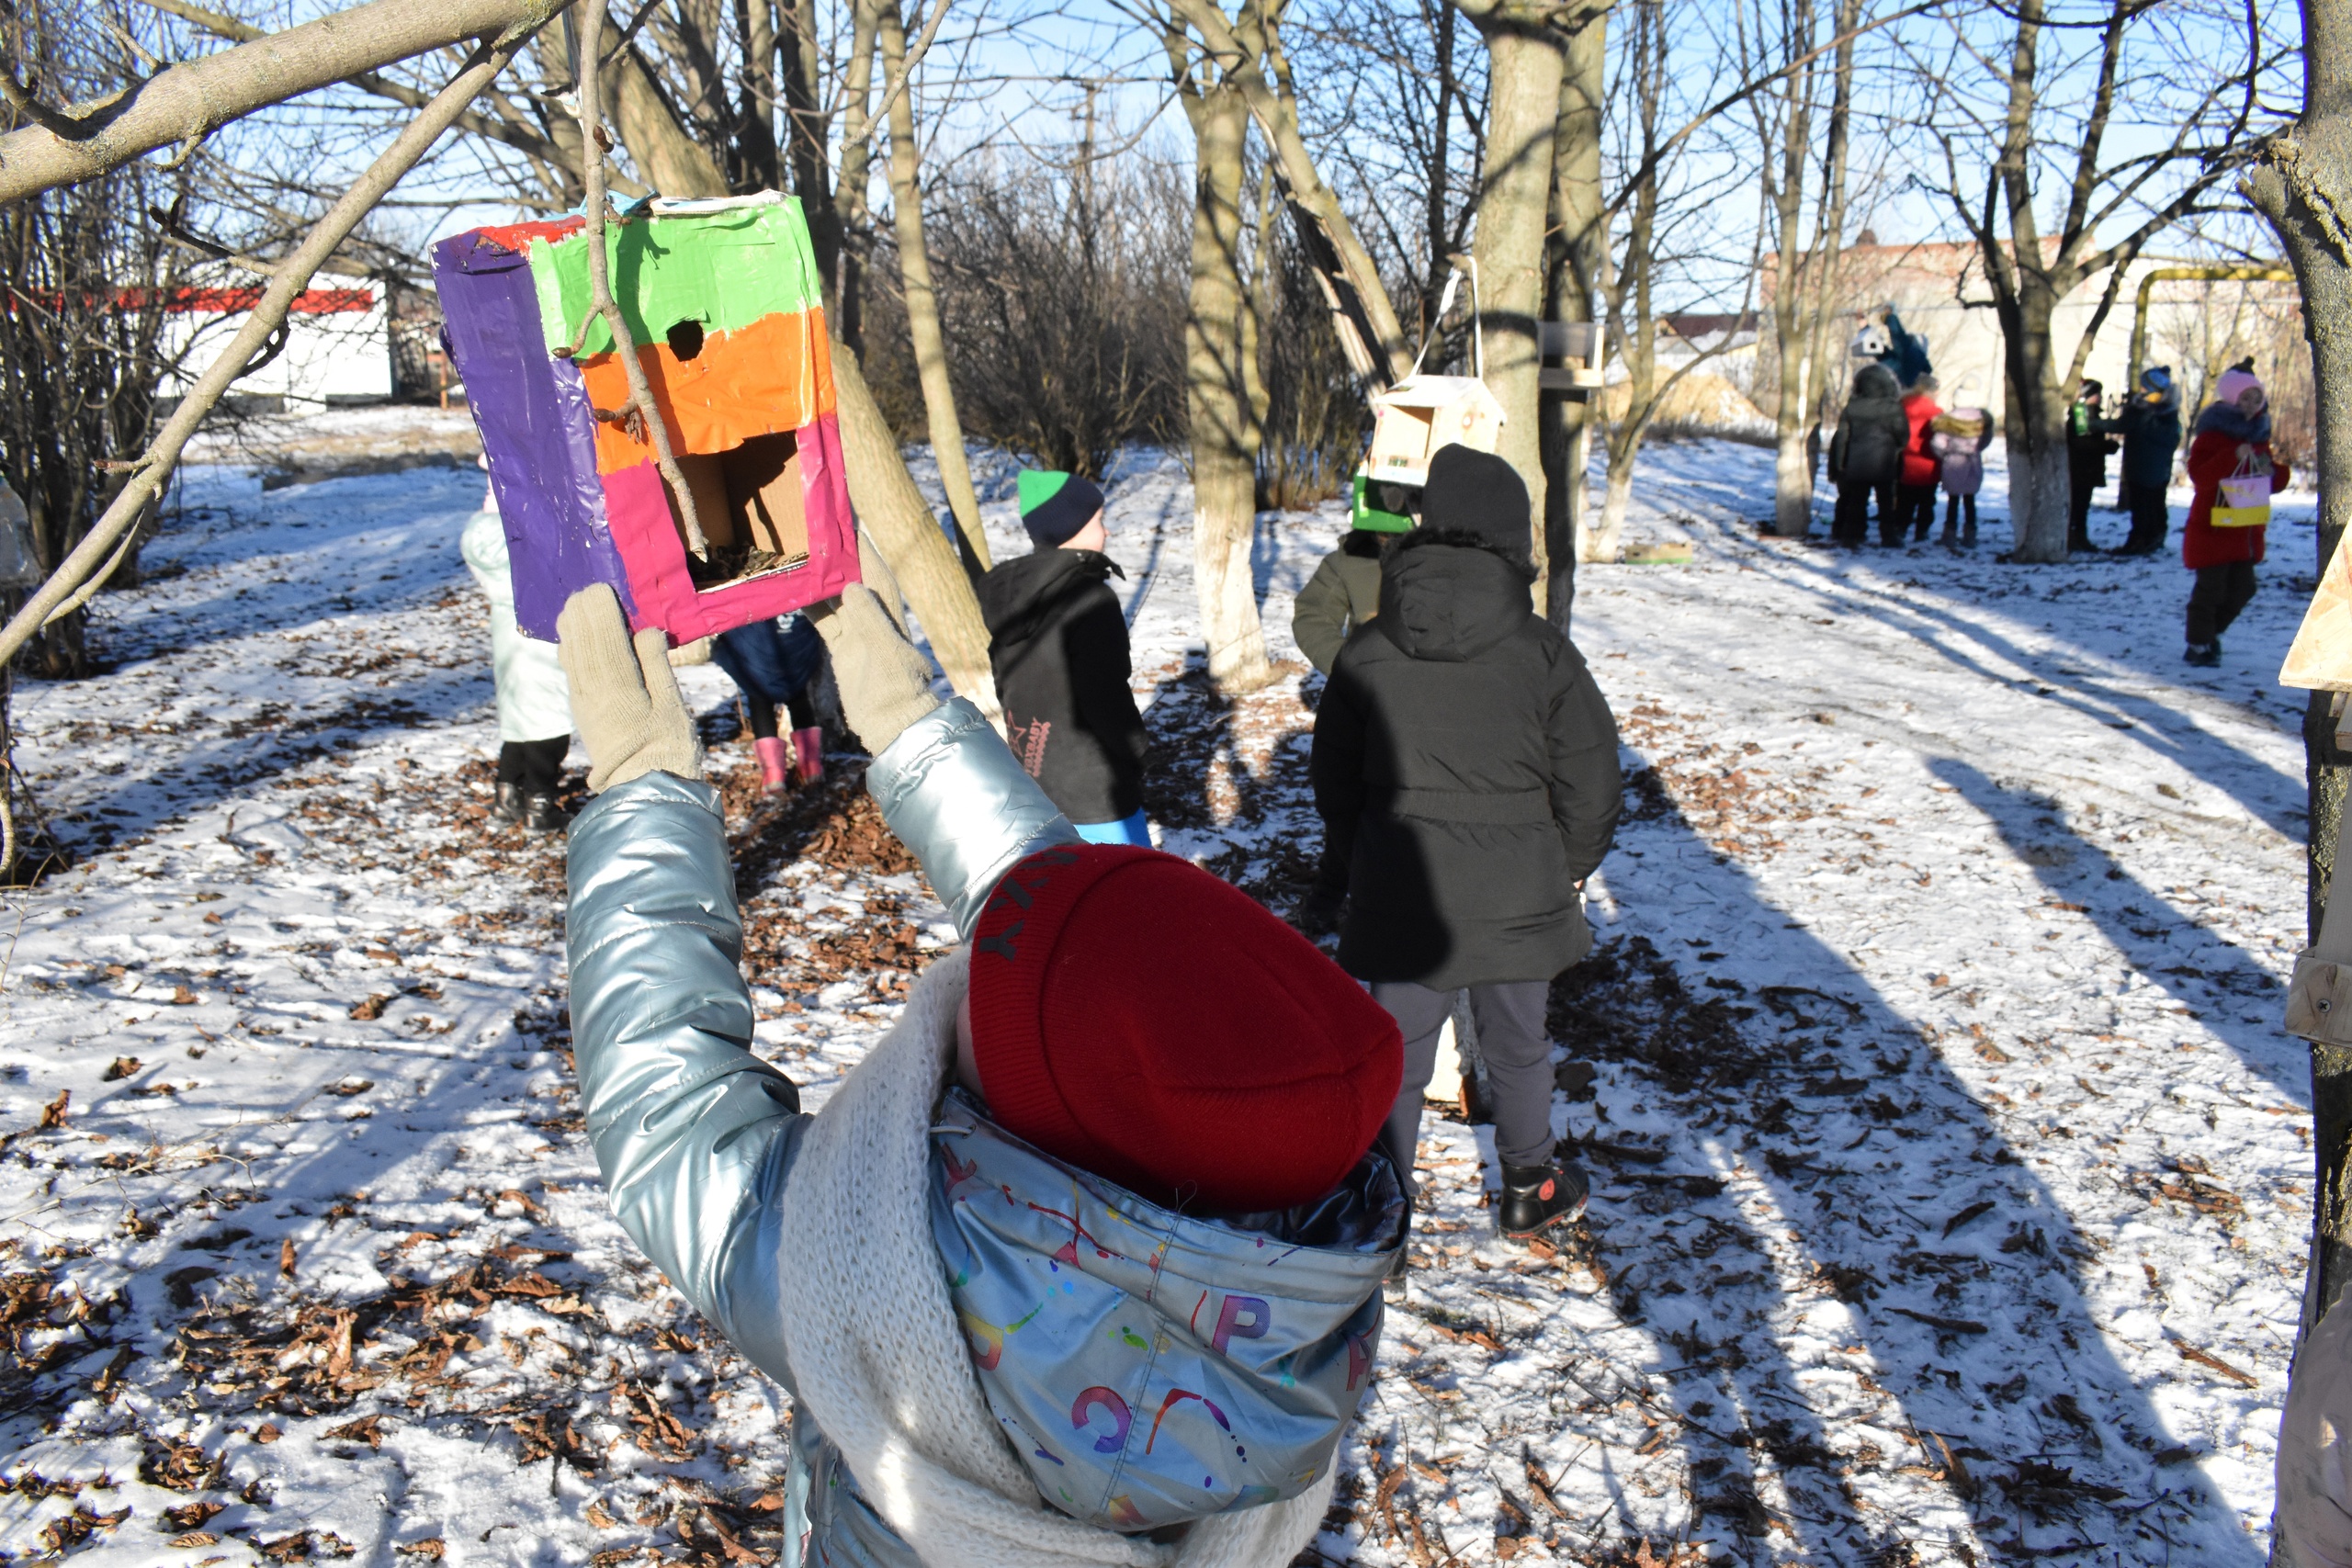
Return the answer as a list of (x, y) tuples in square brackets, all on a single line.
[(1465, 767), (1058, 645)]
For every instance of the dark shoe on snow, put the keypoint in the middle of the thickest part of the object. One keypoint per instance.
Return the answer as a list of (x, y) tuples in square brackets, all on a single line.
[(1537, 1197), (1317, 914), (541, 815), (509, 807), (2204, 654)]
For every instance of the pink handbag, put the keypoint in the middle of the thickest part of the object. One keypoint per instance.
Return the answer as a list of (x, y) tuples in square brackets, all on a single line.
[(2245, 499)]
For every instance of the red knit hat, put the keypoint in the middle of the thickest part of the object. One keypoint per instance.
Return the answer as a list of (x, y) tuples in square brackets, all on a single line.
[(1141, 1018)]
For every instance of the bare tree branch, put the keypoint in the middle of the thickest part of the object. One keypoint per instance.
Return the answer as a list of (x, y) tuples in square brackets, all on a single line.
[(184, 103)]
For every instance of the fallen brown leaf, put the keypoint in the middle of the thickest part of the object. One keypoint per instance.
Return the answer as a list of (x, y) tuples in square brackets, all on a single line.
[(192, 1515), (367, 1429), (2206, 1359)]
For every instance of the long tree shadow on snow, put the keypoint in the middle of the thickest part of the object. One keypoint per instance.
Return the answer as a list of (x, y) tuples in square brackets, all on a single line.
[(1959, 1290), (270, 743), (1253, 825), (2235, 999), (2105, 698)]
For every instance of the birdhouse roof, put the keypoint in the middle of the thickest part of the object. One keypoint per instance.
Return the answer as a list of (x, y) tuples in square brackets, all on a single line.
[(1438, 392)]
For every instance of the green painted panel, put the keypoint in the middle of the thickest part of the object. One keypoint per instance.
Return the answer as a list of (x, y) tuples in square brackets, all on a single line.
[(723, 269)]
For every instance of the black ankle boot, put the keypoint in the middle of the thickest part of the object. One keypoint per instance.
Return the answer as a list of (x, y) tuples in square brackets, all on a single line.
[(1536, 1197), (510, 804), (540, 815)]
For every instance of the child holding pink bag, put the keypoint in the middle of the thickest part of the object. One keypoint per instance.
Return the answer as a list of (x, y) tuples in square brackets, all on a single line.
[(2231, 466)]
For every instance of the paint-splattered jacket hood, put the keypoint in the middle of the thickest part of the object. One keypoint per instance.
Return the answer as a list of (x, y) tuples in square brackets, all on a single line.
[(1152, 1366)]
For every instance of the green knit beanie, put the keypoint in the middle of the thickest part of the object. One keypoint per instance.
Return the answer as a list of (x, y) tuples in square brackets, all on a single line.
[(1054, 505)]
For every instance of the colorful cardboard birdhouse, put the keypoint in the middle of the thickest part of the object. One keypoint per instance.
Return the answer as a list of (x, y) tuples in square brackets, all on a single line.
[(1423, 413), (722, 298)]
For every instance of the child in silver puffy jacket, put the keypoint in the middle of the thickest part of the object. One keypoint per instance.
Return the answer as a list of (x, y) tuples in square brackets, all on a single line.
[(1082, 1263)]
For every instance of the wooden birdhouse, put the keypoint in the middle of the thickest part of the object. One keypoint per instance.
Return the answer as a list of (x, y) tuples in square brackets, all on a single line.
[(1423, 413), (723, 299), (2321, 656)]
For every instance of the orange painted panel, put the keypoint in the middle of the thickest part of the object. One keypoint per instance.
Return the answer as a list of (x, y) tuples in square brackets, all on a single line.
[(773, 376)]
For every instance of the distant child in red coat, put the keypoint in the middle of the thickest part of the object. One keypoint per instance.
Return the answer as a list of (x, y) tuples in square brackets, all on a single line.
[(2232, 440), (1915, 496)]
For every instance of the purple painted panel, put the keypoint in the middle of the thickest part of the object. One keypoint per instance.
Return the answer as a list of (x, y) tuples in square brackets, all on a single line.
[(536, 429)]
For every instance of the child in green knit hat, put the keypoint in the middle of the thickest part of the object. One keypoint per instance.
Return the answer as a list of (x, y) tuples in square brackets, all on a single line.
[(1057, 643)]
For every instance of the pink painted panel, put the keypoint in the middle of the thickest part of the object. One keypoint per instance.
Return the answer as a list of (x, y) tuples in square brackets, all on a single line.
[(655, 558)]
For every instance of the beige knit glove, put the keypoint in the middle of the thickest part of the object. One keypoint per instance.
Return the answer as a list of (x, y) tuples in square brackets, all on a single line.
[(2314, 1468), (885, 679), (623, 697)]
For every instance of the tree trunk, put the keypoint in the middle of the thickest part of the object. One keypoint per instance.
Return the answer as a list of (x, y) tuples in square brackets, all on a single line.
[(1236, 54), (1225, 442), (1823, 360), (1574, 255), (891, 508), (923, 301), (2303, 186), (1523, 73), (1791, 335), (808, 147), (672, 161), (754, 140), (2036, 439), (851, 218)]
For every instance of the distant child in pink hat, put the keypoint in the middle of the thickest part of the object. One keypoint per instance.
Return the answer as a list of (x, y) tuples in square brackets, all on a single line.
[(2229, 456)]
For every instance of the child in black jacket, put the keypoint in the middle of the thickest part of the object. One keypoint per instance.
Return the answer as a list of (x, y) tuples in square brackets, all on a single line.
[(1866, 455), (1057, 643)]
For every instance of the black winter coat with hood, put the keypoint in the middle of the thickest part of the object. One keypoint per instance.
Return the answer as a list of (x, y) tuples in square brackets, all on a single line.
[(1465, 767), (2151, 427), (1057, 645), (1872, 432)]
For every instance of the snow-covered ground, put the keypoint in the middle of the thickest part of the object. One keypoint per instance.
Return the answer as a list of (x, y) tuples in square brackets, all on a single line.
[(1952, 1173)]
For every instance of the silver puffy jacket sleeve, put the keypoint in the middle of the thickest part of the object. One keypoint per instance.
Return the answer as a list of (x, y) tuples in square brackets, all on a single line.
[(952, 792), (693, 1132), (696, 1136)]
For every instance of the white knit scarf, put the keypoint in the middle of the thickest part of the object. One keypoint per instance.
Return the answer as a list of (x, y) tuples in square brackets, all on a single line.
[(883, 1366)]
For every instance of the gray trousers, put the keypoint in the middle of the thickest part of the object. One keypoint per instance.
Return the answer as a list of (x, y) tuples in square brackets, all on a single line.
[(1512, 1045)]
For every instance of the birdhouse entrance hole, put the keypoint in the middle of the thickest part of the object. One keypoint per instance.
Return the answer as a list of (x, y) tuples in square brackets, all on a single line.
[(1402, 440)]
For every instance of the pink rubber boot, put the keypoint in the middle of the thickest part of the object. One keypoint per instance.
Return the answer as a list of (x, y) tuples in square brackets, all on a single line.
[(774, 762), (808, 754)]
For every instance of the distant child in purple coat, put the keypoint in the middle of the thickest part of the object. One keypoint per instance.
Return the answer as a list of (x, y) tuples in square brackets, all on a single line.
[(1957, 439)]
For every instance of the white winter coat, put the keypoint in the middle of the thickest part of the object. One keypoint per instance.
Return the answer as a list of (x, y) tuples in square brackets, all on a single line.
[(533, 704)]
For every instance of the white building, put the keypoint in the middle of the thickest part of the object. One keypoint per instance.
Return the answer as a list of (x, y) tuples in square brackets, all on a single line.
[(338, 349)]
